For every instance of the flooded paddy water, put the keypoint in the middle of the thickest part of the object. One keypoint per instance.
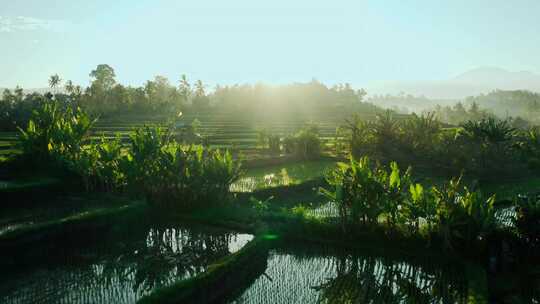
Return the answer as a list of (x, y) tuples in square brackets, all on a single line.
[(321, 275), (281, 175), (134, 259), (120, 268)]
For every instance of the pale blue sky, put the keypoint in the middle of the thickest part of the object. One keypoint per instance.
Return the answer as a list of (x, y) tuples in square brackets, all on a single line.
[(274, 41)]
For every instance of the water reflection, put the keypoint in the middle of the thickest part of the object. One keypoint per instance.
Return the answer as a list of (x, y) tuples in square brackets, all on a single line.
[(121, 271), (351, 278)]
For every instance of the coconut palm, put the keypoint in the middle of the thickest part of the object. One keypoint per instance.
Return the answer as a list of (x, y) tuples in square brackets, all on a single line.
[(69, 87), (54, 82)]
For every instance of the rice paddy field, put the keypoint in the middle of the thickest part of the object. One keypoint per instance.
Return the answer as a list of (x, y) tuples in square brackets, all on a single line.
[(69, 247), (120, 266), (287, 174), (322, 275), (220, 131)]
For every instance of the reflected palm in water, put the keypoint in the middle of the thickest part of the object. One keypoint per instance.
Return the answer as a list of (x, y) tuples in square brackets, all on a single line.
[(371, 280), (124, 272), (334, 277)]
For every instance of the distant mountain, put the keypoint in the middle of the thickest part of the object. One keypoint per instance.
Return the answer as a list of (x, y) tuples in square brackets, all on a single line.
[(474, 82), (500, 79)]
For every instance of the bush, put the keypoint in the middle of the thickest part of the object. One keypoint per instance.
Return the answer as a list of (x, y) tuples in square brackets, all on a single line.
[(367, 194), (166, 172), (274, 143), (267, 140), (54, 133), (98, 165), (420, 134), (304, 144), (489, 144), (361, 136), (387, 137), (528, 220), (154, 165), (486, 147), (463, 216), (364, 193), (528, 146)]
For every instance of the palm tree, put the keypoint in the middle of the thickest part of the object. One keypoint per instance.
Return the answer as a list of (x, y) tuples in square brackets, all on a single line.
[(69, 87), (184, 88), (199, 88), (54, 82)]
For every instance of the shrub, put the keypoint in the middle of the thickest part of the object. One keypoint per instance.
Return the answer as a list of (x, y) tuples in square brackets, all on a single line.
[(364, 193), (267, 140), (54, 132), (462, 216), (166, 172), (489, 144), (528, 220), (154, 165), (274, 143), (386, 133), (361, 136), (420, 134), (305, 143), (367, 194), (387, 137), (528, 146), (99, 165), (419, 205)]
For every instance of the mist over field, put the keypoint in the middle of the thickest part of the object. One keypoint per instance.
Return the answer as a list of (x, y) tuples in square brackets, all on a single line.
[(175, 151)]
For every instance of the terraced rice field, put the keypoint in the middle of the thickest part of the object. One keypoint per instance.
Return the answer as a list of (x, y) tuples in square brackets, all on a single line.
[(121, 269), (221, 131), (282, 175), (306, 276)]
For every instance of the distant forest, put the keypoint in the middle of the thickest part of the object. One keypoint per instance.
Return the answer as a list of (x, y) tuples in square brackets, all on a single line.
[(107, 98), (516, 104)]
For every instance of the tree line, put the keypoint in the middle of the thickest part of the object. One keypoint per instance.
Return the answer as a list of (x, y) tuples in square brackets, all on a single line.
[(105, 97)]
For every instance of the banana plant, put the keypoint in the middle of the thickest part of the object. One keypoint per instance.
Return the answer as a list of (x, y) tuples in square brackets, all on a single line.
[(463, 216), (169, 173), (55, 133), (363, 193), (419, 205)]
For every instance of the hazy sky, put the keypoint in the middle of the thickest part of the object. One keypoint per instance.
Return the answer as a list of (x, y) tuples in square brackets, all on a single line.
[(274, 41)]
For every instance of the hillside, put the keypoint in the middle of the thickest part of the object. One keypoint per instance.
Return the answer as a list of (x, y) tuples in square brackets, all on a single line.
[(473, 82)]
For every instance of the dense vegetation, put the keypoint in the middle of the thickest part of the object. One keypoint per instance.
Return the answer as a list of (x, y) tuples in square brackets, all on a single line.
[(519, 106), (152, 164), (369, 198), (483, 148), (370, 194), (107, 98), (518, 103)]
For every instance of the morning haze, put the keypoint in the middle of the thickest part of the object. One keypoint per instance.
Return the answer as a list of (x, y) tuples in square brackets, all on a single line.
[(269, 152)]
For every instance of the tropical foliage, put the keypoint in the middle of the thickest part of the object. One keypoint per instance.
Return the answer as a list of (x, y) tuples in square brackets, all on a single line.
[(528, 147), (305, 143), (269, 141), (371, 195), (483, 147), (527, 220), (167, 172), (55, 132), (153, 164)]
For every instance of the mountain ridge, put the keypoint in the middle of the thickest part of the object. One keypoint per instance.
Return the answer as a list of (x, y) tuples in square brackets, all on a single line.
[(473, 82)]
